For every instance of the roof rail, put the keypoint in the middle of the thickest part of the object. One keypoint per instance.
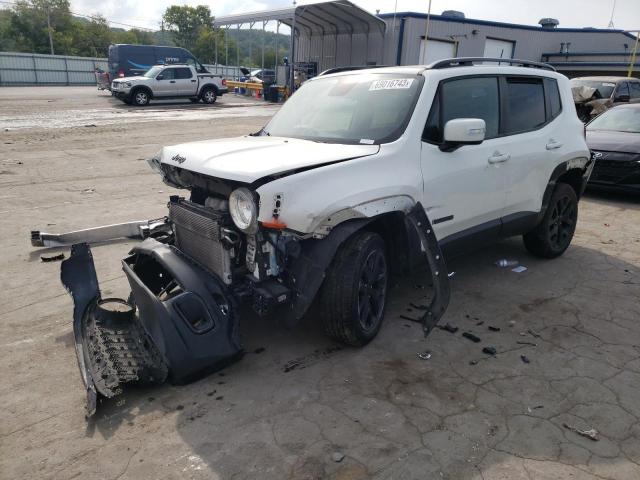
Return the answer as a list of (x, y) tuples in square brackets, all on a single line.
[(346, 69), (469, 61)]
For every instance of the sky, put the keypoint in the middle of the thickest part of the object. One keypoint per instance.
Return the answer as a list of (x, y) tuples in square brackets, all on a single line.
[(570, 13)]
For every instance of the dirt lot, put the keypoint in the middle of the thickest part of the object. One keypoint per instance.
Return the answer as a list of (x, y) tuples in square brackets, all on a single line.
[(297, 402)]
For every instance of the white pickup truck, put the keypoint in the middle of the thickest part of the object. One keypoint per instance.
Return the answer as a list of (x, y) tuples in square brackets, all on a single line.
[(170, 81)]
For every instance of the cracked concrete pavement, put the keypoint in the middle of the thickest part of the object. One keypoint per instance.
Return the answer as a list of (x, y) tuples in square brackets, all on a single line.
[(296, 398)]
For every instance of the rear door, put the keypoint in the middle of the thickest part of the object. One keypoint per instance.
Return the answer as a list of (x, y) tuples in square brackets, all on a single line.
[(464, 189), (165, 84), (186, 82), (531, 108)]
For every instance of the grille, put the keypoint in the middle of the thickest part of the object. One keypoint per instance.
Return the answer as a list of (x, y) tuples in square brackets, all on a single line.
[(615, 167), (197, 234)]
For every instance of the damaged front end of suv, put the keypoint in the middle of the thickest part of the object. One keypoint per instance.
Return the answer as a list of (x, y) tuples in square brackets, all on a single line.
[(267, 220)]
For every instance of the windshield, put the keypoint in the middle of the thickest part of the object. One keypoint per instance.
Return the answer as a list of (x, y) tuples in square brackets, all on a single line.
[(604, 89), (361, 108), (618, 119), (153, 72)]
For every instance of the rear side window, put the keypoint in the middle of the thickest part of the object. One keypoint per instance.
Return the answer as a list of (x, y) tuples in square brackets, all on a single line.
[(634, 89), (182, 73), (524, 105), (554, 105), (475, 97)]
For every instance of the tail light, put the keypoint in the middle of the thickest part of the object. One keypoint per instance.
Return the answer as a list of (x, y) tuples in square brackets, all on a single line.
[(224, 82), (121, 73)]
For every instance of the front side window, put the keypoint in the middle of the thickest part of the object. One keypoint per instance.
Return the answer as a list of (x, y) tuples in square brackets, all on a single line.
[(357, 108), (475, 97), (168, 74), (524, 105)]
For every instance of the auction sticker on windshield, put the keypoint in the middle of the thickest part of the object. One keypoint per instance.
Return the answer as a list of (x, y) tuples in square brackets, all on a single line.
[(391, 84)]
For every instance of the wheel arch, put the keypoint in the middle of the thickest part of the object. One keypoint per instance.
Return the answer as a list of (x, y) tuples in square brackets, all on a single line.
[(574, 172), (137, 88)]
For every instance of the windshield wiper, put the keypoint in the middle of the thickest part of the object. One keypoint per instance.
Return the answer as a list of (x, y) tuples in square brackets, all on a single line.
[(260, 133)]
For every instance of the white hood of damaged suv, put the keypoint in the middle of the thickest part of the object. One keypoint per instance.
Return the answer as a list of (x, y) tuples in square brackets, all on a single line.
[(247, 159)]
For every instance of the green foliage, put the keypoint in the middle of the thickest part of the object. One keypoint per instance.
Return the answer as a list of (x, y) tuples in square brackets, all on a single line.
[(23, 28)]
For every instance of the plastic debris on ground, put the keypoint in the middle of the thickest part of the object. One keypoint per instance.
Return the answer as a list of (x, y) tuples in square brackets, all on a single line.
[(52, 258), (489, 350), (503, 262), (519, 269), (471, 337), (447, 327), (525, 359), (337, 457), (591, 434), (426, 355)]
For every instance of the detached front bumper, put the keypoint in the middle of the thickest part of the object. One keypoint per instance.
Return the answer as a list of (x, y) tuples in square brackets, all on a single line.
[(178, 323)]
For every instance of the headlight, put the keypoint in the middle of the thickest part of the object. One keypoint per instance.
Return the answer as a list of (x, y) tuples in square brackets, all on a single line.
[(154, 162), (244, 212)]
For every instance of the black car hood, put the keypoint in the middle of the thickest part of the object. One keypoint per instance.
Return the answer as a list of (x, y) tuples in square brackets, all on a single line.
[(611, 141)]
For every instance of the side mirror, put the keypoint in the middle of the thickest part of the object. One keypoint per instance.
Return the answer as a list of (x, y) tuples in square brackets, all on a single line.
[(463, 131), (160, 77), (621, 98)]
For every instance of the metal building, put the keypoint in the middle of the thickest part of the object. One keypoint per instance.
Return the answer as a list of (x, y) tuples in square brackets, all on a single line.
[(328, 34), (573, 51)]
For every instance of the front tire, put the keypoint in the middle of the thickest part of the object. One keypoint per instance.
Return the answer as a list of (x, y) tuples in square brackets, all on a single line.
[(141, 97), (354, 294), (554, 233), (209, 96)]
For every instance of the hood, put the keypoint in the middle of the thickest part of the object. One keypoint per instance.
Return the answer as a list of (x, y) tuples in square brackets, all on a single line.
[(247, 159), (129, 79), (611, 141)]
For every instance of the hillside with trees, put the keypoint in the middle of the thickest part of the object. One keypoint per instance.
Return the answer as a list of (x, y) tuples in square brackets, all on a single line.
[(25, 27)]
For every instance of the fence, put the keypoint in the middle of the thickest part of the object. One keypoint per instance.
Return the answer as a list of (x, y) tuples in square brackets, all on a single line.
[(36, 69)]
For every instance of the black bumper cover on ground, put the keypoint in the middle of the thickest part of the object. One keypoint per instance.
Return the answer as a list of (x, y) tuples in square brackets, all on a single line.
[(179, 321)]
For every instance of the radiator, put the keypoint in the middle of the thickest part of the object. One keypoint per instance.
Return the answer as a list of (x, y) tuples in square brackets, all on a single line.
[(197, 234)]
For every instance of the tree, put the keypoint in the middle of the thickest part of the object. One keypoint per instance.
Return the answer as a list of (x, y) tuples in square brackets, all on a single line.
[(28, 25), (186, 23)]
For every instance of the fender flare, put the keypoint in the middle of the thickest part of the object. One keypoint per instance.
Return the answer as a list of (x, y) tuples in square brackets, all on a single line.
[(309, 269), (581, 164)]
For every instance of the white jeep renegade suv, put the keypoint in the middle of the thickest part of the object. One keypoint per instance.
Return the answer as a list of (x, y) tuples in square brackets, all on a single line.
[(360, 174)]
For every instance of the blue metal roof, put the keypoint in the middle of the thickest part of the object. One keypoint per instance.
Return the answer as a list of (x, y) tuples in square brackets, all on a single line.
[(503, 24)]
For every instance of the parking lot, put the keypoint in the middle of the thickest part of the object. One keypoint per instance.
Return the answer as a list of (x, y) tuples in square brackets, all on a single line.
[(298, 405)]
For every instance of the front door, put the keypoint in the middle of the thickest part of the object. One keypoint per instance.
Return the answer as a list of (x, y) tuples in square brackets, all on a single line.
[(165, 84), (464, 190)]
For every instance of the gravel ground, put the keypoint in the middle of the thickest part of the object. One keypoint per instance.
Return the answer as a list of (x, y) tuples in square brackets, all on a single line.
[(298, 406)]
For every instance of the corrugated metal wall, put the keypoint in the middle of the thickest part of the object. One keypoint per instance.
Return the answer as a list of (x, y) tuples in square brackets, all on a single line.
[(33, 69), (340, 50), (530, 43)]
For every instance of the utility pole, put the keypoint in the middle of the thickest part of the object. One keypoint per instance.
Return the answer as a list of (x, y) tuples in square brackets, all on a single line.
[(49, 28)]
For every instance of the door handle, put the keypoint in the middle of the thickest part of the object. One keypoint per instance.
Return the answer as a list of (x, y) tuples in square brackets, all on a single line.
[(552, 145), (193, 81), (172, 81), (498, 157)]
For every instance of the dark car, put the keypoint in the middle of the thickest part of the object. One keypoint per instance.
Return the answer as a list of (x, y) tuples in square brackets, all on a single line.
[(614, 140), (594, 95)]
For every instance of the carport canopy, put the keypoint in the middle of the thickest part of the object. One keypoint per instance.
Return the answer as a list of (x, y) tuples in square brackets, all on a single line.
[(325, 18)]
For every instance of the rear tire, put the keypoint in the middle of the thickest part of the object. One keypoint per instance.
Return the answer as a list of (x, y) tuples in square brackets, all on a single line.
[(354, 294), (554, 233), (209, 95)]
